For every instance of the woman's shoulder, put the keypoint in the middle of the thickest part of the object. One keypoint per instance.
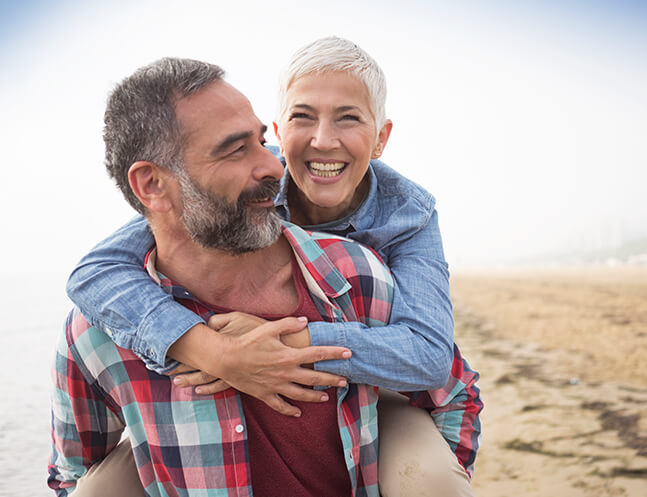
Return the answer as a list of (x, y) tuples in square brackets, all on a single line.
[(393, 189)]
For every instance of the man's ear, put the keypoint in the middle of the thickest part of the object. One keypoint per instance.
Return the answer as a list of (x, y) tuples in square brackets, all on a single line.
[(150, 184), (278, 136), (382, 139)]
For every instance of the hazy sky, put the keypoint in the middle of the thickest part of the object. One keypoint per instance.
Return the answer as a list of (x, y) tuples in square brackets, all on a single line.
[(527, 120)]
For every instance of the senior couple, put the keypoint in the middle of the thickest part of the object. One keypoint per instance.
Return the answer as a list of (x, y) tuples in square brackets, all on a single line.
[(241, 354)]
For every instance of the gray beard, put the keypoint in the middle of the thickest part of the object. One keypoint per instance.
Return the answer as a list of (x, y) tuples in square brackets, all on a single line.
[(215, 223)]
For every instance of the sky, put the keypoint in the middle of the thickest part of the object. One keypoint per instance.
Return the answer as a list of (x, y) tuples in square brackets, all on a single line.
[(526, 120)]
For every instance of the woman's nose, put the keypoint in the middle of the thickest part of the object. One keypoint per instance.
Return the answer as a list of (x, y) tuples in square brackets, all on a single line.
[(324, 136)]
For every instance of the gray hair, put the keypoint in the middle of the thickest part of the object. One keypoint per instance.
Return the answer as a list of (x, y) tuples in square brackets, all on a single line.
[(336, 54), (140, 120)]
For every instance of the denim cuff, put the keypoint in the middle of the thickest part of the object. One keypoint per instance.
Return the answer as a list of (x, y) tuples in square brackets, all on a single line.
[(161, 329), (322, 333)]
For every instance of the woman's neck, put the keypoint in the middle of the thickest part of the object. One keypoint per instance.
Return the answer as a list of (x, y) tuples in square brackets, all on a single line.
[(305, 213)]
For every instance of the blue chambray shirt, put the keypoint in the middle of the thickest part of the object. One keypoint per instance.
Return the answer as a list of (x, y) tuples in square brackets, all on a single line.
[(397, 219)]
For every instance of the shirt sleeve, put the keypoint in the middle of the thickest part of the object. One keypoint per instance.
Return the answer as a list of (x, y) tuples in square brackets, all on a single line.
[(115, 293), (414, 352), (455, 409), (84, 429)]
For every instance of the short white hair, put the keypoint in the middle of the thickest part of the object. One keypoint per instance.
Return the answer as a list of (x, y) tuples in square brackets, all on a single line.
[(336, 54)]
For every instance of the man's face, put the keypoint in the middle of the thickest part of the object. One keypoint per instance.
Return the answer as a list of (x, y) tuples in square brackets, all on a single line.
[(214, 222), (229, 177)]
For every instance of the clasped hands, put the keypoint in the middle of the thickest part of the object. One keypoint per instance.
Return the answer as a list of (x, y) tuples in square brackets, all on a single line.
[(269, 360)]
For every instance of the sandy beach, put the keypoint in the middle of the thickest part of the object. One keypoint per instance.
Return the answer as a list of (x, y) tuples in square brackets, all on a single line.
[(563, 375)]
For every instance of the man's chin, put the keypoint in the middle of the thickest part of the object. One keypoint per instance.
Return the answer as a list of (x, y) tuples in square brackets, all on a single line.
[(255, 236)]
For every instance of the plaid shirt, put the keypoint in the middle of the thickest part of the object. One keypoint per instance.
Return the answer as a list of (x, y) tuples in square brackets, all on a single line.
[(190, 445)]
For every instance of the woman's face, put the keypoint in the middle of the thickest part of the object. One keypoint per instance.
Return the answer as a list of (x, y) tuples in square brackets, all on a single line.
[(328, 136)]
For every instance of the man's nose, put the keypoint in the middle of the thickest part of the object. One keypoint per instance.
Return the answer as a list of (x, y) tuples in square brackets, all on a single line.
[(267, 166), (324, 136)]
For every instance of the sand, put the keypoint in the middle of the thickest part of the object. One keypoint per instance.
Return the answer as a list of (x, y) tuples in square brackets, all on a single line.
[(564, 378)]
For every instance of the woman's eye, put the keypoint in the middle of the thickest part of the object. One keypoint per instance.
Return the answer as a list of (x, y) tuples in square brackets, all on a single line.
[(299, 115)]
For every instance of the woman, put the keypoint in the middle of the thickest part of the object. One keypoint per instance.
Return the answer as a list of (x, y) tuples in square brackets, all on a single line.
[(331, 125)]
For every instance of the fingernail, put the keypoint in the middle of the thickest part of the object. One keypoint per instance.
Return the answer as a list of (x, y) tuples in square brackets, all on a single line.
[(297, 415), (198, 390), (303, 319), (347, 354), (324, 398), (177, 381), (342, 383)]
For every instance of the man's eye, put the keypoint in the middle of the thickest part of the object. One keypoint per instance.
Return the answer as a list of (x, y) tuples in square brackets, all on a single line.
[(349, 117), (238, 150)]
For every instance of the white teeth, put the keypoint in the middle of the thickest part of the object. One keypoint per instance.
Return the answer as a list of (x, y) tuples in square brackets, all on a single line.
[(327, 169)]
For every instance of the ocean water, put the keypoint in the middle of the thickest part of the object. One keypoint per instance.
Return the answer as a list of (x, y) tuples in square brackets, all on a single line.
[(33, 313), (24, 415)]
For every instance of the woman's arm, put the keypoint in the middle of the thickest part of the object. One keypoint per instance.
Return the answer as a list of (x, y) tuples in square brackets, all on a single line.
[(415, 351), (114, 292)]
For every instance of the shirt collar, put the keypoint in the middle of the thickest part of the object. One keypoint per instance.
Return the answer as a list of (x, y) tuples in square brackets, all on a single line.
[(321, 275)]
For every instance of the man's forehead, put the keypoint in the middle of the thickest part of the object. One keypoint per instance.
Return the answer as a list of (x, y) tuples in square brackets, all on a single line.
[(218, 105)]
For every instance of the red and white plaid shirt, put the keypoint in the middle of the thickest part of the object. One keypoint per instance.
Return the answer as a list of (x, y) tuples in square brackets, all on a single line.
[(190, 445)]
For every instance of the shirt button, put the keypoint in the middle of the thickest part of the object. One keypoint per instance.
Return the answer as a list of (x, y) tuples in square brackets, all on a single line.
[(239, 428)]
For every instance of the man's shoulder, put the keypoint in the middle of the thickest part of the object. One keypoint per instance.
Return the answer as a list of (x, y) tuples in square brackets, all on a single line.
[(88, 345), (370, 287), (77, 327), (349, 256), (323, 254)]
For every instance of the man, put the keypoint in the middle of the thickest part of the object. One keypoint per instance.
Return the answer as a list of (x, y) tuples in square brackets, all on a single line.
[(205, 185)]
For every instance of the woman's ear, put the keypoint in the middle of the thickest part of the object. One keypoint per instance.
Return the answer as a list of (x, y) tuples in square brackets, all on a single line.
[(275, 125), (150, 185), (382, 139)]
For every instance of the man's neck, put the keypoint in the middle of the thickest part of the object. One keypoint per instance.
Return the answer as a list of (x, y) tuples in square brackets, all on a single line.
[(257, 283)]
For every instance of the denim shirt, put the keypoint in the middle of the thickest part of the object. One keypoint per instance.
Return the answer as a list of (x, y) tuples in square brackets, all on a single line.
[(397, 218)]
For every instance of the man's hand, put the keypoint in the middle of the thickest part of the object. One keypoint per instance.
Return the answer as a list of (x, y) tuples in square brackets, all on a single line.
[(254, 360)]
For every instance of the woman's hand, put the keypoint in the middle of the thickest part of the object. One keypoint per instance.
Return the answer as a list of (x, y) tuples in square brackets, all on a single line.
[(204, 383), (233, 324)]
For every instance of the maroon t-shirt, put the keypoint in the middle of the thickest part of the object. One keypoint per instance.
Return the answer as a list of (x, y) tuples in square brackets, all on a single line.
[(299, 457)]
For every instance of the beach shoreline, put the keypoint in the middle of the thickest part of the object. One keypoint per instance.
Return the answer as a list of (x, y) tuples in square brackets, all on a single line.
[(560, 419)]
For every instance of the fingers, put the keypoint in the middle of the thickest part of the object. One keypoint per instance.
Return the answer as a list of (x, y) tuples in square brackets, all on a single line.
[(219, 321), (281, 406), (295, 392), (193, 379), (213, 387), (318, 353), (285, 325), (312, 378)]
